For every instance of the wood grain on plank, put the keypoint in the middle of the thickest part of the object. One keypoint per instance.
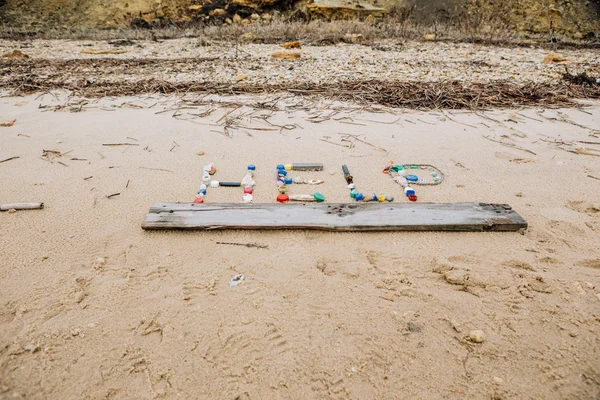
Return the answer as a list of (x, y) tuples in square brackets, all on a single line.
[(336, 217)]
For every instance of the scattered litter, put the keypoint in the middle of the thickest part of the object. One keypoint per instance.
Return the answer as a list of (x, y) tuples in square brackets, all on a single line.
[(291, 45), (286, 55), (98, 51), (236, 280), (21, 206), (6, 124), (112, 195), (15, 54)]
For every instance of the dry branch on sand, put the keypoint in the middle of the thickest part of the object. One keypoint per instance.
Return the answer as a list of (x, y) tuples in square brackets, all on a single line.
[(419, 95)]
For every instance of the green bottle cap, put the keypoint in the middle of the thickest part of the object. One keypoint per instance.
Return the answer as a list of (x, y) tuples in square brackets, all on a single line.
[(353, 193), (319, 197)]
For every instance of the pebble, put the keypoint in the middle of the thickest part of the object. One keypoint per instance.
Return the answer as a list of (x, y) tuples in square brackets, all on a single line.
[(414, 327), (101, 260), (498, 381), (12, 211), (476, 336), (590, 285)]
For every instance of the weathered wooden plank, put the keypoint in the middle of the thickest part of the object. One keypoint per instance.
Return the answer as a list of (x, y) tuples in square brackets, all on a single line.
[(336, 217)]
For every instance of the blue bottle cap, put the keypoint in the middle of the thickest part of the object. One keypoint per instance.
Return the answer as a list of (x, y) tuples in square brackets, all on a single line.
[(409, 192), (282, 172), (203, 191), (412, 178), (280, 166), (287, 181), (251, 167), (359, 197), (374, 197)]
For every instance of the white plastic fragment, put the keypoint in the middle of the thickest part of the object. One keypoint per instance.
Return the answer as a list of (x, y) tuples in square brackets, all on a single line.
[(236, 280)]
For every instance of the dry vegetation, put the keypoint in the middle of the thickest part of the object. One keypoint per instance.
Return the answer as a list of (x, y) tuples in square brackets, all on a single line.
[(395, 26)]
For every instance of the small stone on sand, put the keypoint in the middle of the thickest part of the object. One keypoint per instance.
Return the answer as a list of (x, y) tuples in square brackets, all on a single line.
[(476, 336)]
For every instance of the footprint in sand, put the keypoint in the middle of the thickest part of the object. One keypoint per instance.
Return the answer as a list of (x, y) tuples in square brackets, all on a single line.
[(584, 207), (589, 263), (513, 158)]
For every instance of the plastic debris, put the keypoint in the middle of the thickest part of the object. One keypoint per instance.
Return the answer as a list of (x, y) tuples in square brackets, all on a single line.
[(236, 280)]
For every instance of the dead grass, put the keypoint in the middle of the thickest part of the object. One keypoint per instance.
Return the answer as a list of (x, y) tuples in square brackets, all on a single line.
[(399, 94), (394, 27)]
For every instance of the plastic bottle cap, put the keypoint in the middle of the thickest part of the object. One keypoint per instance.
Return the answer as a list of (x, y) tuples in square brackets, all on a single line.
[(374, 198), (319, 197), (198, 200), (248, 190), (389, 198), (359, 197), (412, 178), (282, 172), (252, 167), (351, 186), (283, 198), (280, 166), (287, 167), (214, 184), (412, 197), (247, 198), (288, 181), (381, 198), (353, 193)]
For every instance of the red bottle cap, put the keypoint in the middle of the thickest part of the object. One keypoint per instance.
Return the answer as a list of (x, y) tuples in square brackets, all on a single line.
[(283, 198), (248, 190), (412, 197), (198, 200)]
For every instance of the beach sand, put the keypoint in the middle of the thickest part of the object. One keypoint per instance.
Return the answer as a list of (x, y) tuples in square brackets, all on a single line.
[(92, 306)]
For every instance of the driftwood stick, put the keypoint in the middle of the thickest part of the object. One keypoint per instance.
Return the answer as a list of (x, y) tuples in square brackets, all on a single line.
[(10, 158), (21, 206), (514, 146)]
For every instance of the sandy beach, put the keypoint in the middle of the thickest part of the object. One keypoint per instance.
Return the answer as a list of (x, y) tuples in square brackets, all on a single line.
[(92, 306)]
